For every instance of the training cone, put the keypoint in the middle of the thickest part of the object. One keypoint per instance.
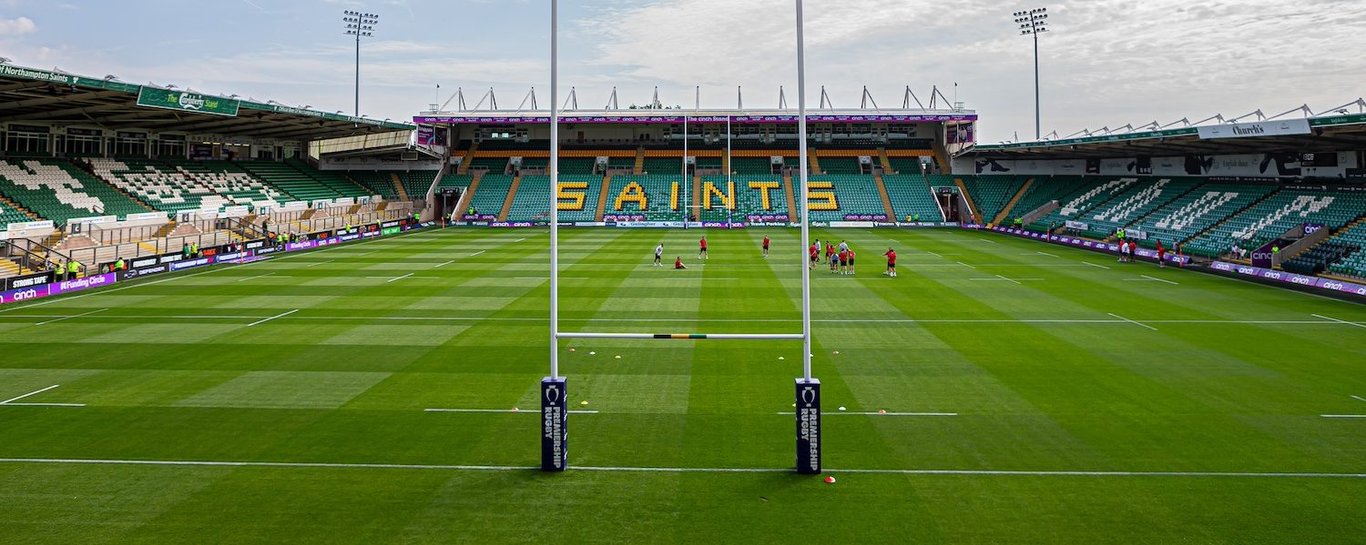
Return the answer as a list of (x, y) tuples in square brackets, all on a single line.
[(590, 353), (781, 358), (514, 409), (618, 356), (841, 407), (584, 402), (882, 411), (571, 349), (837, 352), (829, 480)]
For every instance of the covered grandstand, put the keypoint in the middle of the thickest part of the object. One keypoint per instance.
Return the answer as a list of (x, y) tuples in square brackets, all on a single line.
[(94, 168), (1282, 194)]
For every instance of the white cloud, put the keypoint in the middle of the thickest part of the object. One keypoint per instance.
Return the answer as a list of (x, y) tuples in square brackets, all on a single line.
[(17, 26), (1105, 61)]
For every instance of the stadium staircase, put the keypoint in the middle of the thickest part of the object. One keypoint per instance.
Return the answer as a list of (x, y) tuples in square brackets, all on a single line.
[(1014, 200), (12, 212), (792, 210), (507, 201), (398, 186), (464, 167), (885, 161), (602, 197), (640, 161), (9, 268), (696, 197), (967, 197), (815, 164), (886, 200)]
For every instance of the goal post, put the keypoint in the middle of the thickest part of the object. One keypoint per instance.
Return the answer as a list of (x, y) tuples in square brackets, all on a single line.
[(554, 388)]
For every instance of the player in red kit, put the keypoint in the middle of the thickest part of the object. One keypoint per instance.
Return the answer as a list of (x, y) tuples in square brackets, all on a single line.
[(765, 246), (891, 262), (702, 248)]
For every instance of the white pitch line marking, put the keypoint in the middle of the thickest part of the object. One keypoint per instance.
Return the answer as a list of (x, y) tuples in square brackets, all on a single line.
[(1359, 398), (520, 239), (624, 469), (1338, 321), (1096, 266), (874, 414), (1140, 324), (398, 278), (318, 263), (987, 241), (935, 255), (1047, 254), (1010, 279), (529, 411), (33, 393), (444, 264), (70, 317), (1343, 415), (477, 253), (1159, 280), (280, 315), (966, 265), (254, 277)]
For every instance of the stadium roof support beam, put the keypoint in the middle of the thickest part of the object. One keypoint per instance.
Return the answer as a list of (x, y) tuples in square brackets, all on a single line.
[(910, 95), (612, 103), (458, 97), (530, 95), (490, 98), (1342, 110), (825, 103), (572, 102), (1301, 108), (868, 97)]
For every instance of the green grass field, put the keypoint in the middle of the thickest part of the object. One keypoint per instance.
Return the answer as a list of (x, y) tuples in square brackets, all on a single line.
[(1092, 402)]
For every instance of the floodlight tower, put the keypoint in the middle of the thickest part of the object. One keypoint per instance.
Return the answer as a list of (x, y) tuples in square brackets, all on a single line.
[(1032, 23), (360, 25)]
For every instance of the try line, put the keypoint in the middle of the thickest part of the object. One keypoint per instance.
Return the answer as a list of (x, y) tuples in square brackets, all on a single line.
[(627, 469)]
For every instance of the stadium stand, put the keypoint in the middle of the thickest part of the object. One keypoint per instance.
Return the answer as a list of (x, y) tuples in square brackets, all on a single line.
[(841, 165), (1135, 202), (531, 203), (751, 165), (1194, 212), (187, 185), (911, 196), (494, 165), (1046, 189), (1275, 215), (855, 194), (377, 182), (665, 165), (1351, 261), (493, 190), (416, 182), (59, 191), (991, 193), (656, 188), (9, 215)]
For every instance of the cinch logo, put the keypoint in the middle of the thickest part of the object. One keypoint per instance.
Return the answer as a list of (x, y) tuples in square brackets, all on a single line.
[(25, 295), (1333, 285), (1310, 229), (1302, 280)]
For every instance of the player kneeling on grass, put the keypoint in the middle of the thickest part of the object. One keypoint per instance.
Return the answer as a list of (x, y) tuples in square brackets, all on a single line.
[(678, 263), (891, 262)]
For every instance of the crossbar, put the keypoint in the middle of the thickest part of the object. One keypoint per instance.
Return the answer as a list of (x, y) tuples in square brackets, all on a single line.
[(684, 336)]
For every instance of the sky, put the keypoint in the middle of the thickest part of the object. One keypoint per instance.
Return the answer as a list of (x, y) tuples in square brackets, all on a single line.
[(1102, 63)]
